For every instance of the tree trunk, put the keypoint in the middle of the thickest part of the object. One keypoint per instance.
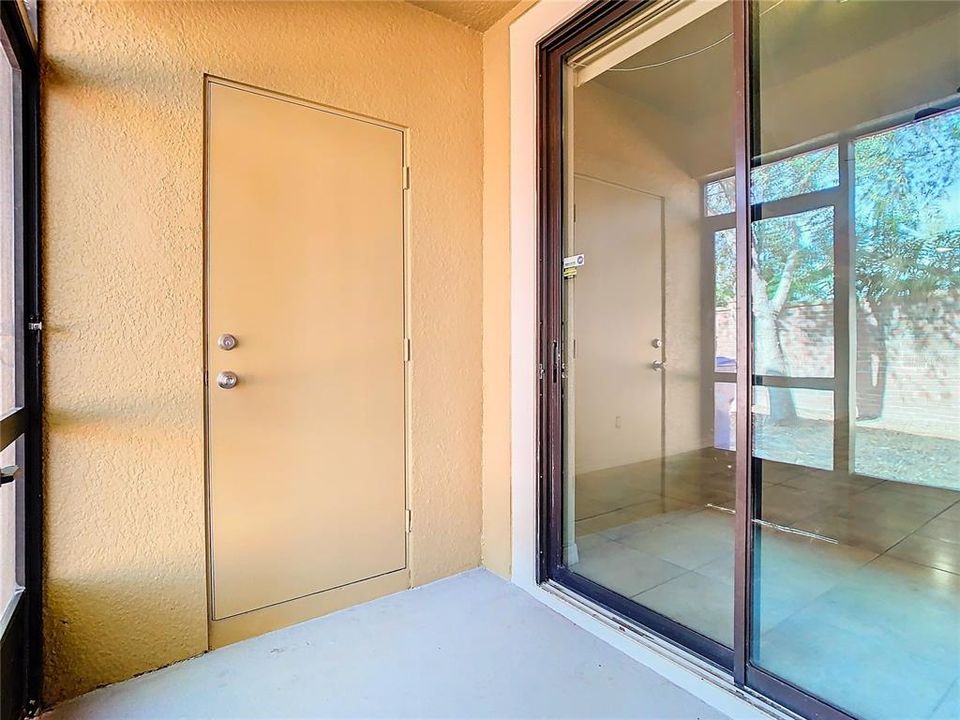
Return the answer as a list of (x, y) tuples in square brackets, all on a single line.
[(871, 344), (769, 358)]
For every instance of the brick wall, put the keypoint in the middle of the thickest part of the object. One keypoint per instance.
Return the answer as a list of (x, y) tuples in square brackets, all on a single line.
[(921, 394)]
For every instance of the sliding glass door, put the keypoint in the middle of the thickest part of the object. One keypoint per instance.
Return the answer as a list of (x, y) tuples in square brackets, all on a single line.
[(750, 338), (648, 496), (858, 602)]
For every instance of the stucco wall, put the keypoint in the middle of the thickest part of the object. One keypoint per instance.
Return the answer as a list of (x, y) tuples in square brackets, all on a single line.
[(122, 143)]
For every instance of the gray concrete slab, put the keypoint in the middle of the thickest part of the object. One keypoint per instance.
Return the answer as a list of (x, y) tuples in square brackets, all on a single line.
[(471, 646)]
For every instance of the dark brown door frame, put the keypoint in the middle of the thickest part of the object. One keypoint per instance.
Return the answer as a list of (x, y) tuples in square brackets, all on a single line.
[(744, 93), (552, 52), (585, 27), (21, 639)]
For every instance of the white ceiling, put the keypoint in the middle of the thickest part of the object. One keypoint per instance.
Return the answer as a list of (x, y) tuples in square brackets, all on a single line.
[(824, 66)]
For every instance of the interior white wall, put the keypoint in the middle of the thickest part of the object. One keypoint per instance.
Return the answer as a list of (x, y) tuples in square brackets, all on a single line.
[(622, 140), (613, 311)]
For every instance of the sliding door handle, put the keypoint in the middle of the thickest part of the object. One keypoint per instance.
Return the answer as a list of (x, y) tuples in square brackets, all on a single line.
[(8, 474)]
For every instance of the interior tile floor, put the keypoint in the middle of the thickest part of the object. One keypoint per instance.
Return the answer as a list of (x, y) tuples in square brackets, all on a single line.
[(472, 646), (876, 589)]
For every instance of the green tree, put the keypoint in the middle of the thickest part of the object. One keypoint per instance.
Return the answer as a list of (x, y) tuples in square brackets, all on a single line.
[(907, 234), (907, 225)]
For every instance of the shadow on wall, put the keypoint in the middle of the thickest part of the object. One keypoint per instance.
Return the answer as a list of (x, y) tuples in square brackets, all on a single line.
[(107, 622)]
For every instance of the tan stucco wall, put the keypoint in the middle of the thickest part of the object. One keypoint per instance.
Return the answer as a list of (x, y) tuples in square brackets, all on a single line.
[(122, 142)]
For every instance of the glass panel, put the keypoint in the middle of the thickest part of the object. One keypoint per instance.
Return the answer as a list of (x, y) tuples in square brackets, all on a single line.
[(725, 300), (793, 299), (805, 437), (720, 197), (8, 291), (8, 332), (908, 289), (794, 175), (647, 481), (725, 416), (9, 580), (857, 529)]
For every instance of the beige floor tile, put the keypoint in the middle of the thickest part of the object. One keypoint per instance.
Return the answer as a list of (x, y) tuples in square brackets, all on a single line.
[(896, 622), (942, 528), (857, 532), (949, 707), (696, 601), (928, 551), (624, 570), (688, 545)]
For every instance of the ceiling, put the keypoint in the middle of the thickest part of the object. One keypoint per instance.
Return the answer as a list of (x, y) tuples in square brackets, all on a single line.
[(475, 14), (821, 67), (795, 39)]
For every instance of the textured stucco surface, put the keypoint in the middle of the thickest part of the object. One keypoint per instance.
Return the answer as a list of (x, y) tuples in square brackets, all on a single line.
[(476, 14), (122, 143)]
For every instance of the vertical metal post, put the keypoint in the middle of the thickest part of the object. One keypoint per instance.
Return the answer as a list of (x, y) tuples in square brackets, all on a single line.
[(844, 316), (743, 540)]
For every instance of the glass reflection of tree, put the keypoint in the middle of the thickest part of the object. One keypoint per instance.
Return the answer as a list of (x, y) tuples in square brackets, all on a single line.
[(907, 215), (908, 239)]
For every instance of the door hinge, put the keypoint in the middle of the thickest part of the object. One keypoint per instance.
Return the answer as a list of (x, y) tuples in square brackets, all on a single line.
[(540, 365), (409, 519), (406, 177), (407, 350), (35, 325)]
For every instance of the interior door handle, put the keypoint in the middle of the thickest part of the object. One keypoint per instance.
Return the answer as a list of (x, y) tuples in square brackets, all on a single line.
[(658, 364), (227, 380)]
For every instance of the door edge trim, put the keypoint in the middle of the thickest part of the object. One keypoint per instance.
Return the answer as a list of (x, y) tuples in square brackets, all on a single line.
[(254, 623)]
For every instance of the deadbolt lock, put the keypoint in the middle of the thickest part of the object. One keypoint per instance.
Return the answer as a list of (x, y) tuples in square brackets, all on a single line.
[(226, 342)]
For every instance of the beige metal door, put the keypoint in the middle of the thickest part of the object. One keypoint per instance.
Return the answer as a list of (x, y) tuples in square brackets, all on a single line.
[(305, 268)]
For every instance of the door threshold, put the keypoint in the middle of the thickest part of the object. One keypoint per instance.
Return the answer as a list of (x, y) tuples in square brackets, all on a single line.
[(669, 651)]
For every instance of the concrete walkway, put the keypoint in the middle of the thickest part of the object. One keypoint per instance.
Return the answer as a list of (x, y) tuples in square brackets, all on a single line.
[(471, 646)]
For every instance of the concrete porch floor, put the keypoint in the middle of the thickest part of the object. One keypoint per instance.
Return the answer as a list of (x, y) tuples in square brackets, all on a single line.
[(470, 646)]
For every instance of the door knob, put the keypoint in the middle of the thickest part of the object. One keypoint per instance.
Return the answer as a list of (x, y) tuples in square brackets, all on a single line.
[(227, 380), (226, 342), (658, 364)]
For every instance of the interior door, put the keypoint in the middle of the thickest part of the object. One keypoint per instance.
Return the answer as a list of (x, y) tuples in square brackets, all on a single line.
[(617, 325), (305, 348)]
